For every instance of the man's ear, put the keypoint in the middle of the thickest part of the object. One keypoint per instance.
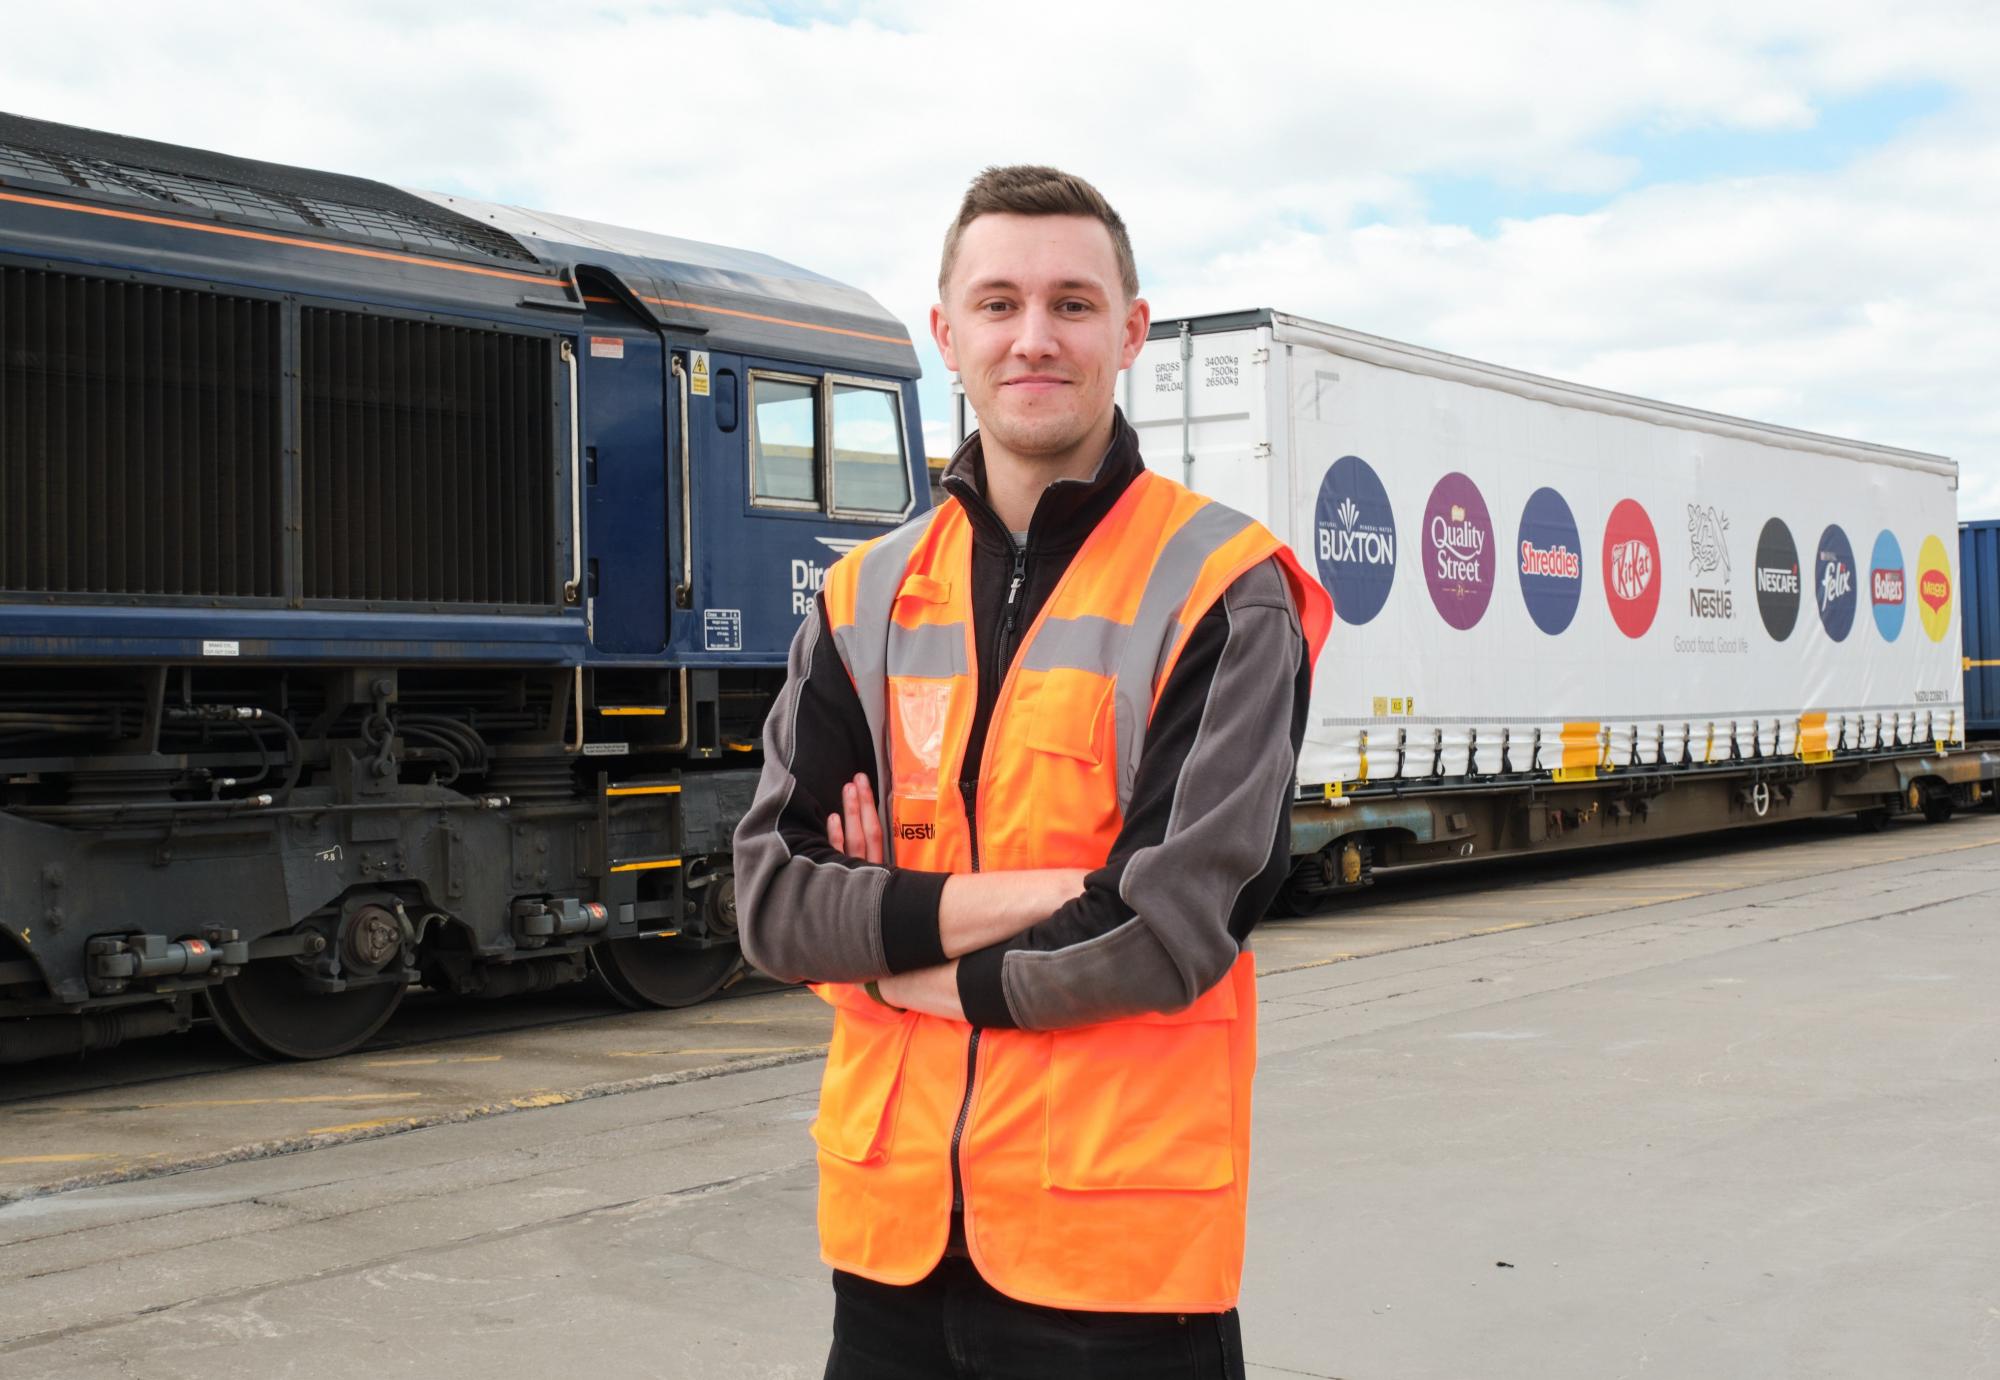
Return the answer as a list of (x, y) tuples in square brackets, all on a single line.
[(1138, 320), (941, 333)]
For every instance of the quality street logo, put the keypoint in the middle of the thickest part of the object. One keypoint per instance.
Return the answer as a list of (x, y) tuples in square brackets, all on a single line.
[(1708, 554)]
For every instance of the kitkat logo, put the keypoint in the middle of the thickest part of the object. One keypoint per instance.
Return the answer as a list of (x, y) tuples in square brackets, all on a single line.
[(1631, 568)]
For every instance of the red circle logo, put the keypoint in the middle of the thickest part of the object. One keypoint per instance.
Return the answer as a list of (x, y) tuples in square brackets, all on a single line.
[(1631, 568)]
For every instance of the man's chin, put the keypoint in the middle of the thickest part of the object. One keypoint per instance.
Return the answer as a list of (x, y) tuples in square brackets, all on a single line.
[(1036, 438)]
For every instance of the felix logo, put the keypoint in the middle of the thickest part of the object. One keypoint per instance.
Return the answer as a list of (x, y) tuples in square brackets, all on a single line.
[(1835, 581)]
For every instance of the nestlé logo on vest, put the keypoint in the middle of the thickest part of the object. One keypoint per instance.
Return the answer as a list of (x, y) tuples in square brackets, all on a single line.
[(1934, 588), (1833, 583), (1459, 561), (1777, 580), (1885, 585), (1550, 557), (1354, 539), (1631, 568), (1708, 563)]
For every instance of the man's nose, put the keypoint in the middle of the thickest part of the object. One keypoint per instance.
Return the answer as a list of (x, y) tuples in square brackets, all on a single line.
[(1036, 337)]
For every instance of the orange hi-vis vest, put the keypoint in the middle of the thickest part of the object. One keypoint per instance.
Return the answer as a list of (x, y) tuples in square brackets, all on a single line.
[(1099, 1167)]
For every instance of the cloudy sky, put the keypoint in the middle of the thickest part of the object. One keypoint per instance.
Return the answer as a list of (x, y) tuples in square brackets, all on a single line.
[(1783, 210)]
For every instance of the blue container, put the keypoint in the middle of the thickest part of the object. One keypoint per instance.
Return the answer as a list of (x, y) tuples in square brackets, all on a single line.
[(1979, 612)]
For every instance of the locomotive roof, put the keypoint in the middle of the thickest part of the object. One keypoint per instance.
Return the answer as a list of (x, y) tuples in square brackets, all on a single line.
[(737, 299)]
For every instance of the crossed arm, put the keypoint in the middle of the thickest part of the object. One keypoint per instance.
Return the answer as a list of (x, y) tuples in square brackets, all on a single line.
[(1203, 847), (975, 909)]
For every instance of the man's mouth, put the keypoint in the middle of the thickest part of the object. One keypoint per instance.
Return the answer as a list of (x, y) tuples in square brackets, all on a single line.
[(1035, 382)]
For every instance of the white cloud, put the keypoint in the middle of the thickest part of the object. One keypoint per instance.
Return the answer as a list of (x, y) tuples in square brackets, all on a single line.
[(1265, 155)]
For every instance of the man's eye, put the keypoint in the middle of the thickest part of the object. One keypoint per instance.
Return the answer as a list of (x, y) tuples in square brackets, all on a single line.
[(1075, 308), (994, 306)]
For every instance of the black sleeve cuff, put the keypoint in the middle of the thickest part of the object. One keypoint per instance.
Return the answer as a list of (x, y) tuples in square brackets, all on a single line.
[(980, 991), (910, 935)]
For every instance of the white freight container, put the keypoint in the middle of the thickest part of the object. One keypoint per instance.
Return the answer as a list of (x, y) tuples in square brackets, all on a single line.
[(1535, 576)]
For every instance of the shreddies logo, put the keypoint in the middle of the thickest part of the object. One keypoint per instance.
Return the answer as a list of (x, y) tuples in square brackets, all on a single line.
[(1459, 559), (1354, 539), (1885, 585), (1631, 568), (1833, 582), (1777, 580), (1708, 554), (1551, 561)]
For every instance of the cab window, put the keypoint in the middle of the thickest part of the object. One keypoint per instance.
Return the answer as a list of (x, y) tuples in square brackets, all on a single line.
[(784, 441), (870, 474)]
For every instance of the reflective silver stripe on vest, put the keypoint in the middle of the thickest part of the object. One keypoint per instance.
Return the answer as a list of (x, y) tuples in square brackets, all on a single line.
[(930, 651), (864, 645), (1133, 654)]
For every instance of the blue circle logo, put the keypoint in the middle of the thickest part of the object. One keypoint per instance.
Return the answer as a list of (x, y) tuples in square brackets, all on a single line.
[(1354, 538), (1549, 556), (1886, 578), (1833, 583)]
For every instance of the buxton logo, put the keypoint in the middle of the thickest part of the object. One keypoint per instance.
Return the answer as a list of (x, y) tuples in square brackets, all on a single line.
[(1551, 561), (1708, 554), (912, 833), (1459, 559), (1354, 539), (1776, 576), (1631, 568)]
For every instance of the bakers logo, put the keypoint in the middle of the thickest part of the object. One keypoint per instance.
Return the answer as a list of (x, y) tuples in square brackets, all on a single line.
[(1887, 586), (913, 833)]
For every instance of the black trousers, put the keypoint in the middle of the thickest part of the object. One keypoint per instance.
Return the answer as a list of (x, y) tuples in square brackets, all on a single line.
[(953, 1325)]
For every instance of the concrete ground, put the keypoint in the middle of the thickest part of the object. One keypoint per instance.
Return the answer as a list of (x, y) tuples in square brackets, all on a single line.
[(1739, 1115)]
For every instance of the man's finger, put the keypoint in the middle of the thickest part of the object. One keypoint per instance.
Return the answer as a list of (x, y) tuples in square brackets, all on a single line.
[(850, 810), (871, 821), (835, 835)]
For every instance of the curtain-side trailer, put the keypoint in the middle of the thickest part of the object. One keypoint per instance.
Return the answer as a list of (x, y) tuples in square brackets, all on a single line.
[(1567, 617)]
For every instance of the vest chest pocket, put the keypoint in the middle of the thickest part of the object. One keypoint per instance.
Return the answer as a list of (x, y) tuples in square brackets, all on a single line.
[(1146, 1103), (862, 1087)]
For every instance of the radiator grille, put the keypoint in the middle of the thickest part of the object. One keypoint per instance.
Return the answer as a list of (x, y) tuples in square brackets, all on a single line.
[(426, 459), (139, 439)]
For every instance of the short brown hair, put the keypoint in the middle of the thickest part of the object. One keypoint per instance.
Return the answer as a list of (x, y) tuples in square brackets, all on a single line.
[(1029, 189)]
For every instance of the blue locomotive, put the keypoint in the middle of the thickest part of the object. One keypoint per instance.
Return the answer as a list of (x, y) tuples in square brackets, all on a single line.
[(392, 587)]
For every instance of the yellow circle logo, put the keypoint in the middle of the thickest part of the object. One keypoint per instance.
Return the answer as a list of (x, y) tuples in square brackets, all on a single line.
[(1934, 588)]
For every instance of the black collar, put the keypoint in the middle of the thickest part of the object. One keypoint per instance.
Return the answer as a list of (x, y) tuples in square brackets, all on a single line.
[(1068, 509)]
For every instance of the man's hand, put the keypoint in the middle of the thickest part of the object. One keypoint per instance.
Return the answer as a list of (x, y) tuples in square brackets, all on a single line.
[(933, 991), (857, 829), (976, 908)]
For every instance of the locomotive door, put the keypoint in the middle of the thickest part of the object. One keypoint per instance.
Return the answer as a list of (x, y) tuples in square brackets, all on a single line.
[(626, 446)]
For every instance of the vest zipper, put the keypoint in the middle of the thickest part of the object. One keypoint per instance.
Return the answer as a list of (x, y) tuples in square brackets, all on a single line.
[(1002, 654)]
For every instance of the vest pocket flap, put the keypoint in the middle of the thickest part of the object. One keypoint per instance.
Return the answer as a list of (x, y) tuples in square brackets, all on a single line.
[(925, 589), (1149, 1110), (863, 1082), (1069, 715)]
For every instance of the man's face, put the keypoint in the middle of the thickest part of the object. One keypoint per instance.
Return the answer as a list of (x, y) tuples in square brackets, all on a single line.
[(1036, 325)]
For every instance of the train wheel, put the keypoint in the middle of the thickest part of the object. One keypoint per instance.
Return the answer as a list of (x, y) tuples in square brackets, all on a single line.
[(647, 972), (1937, 807), (268, 1012)]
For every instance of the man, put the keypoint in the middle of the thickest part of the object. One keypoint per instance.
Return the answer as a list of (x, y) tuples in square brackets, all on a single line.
[(1079, 690)]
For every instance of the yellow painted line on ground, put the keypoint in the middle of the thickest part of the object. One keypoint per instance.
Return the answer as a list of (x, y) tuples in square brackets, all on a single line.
[(399, 1063), (1311, 963), (1496, 929), (58, 1159), (540, 1100), (376, 1124), (700, 1049), (316, 1098)]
